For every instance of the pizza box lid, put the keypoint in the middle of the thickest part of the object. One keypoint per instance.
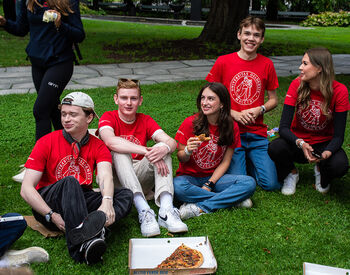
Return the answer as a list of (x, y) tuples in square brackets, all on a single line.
[(316, 269), (146, 254)]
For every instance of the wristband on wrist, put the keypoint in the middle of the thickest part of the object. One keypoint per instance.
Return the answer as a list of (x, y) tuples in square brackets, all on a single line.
[(299, 143), (107, 197), (163, 144), (209, 184), (187, 152), (263, 109)]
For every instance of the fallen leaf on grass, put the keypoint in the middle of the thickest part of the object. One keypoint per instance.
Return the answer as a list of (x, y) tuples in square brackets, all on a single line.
[(266, 250)]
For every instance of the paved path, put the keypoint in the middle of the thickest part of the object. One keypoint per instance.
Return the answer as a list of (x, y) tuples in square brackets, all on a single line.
[(17, 80)]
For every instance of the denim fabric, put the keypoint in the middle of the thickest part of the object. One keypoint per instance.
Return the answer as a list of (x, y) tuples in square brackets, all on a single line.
[(10, 232), (252, 159), (73, 202), (228, 191)]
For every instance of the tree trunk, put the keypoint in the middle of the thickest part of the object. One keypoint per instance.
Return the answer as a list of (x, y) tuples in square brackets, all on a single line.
[(272, 9), (256, 5), (223, 21)]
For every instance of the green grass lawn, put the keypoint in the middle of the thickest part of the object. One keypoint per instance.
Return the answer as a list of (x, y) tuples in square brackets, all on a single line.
[(274, 237), (118, 42)]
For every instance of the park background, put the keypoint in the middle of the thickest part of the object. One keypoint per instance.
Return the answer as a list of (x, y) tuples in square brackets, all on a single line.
[(274, 237)]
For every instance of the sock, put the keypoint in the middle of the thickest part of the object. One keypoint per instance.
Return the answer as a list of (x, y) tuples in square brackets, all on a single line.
[(140, 203), (166, 200)]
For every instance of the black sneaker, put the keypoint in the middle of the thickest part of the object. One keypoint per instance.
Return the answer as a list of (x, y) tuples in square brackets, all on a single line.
[(93, 250), (91, 227)]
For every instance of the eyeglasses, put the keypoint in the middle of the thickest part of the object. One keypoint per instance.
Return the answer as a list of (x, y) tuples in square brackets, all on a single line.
[(122, 80)]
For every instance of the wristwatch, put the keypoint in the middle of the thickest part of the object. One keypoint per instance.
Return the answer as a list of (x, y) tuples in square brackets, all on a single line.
[(48, 216), (263, 109)]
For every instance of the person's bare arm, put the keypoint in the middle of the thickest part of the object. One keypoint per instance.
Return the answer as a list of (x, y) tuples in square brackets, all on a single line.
[(120, 145), (248, 116), (105, 180), (33, 198), (222, 168)]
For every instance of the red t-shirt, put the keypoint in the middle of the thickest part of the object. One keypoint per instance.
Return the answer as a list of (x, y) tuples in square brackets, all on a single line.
[(310, 124), (139, 132), (209, 155), (247, 81), (52, 155)]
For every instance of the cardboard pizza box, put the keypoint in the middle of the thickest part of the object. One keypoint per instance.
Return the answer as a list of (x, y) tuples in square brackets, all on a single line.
[(316, 269), (146, 254)]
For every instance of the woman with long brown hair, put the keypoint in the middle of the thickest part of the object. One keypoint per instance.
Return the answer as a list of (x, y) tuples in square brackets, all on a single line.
[(54, 25), (201, 181), (312, 124)]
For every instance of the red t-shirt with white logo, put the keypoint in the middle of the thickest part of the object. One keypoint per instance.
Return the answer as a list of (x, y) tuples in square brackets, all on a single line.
[(247, 81), (52, 155), (138, 132), (209, 154), (310, 124)]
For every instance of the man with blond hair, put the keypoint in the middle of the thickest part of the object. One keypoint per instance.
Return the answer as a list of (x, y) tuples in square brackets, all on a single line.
[(139, 167)]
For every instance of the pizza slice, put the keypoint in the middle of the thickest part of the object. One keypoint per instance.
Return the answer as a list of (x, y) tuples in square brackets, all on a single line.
[(183, 257), (202, 137)]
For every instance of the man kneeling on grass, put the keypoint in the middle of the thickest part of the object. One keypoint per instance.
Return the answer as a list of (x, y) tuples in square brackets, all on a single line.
[(58, 182)]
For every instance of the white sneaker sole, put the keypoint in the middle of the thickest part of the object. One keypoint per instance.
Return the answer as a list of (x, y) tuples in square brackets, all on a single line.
[(26, 256), (172, 229)]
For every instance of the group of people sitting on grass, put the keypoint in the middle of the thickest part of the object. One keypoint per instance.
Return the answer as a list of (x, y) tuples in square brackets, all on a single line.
[(223, 150)]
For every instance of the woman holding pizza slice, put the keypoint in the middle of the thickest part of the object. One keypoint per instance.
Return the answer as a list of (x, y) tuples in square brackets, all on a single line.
[(201, 181)]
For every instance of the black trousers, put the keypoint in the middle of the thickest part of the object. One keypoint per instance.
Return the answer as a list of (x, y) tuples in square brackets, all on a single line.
[(73, 202), (284, 154), (49, 84)]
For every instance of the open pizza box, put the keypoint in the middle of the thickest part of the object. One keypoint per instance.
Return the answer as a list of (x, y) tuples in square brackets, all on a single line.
[(316, 269), (146, 254)]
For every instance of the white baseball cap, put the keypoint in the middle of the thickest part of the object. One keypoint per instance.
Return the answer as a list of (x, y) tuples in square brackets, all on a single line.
[(79, 99)]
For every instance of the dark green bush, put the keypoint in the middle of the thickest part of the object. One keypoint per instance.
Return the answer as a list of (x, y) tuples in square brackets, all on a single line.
[(84, 9), (327, 19)]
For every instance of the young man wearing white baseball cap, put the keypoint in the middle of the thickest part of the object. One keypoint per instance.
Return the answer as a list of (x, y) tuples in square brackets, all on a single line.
[(58, 182)]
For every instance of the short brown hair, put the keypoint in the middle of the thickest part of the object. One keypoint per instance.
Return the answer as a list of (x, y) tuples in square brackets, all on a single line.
[(124, 83), (252, 20)]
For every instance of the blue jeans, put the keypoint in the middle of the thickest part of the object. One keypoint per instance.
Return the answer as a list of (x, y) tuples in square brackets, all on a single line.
[(252, 158), (10, 231), (228, 191)]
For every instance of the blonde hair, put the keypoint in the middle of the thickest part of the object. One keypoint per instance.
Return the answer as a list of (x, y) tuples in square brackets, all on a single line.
[(62, 6), (322, 58), (124, 83)]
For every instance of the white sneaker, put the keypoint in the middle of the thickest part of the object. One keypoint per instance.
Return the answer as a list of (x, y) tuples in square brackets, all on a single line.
[(190, 210), (245, 204), (170, 219), (26, 256), (318, 186), (19, 177), (290, 184), (149, 225)]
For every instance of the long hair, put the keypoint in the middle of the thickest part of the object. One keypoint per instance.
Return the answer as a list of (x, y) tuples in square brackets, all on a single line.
[(319, 57), (62, 6), (225, 122)]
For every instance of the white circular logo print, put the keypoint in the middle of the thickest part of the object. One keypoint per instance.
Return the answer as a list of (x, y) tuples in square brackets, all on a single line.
[(245, 88), (210, 155), (80, 170), (311, 118)]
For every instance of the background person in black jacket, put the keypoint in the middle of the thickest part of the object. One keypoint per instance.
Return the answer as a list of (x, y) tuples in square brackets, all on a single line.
[(50, 52)]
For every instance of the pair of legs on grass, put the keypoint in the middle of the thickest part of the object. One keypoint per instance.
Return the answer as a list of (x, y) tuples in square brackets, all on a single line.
[(285, 154), (12, 228), (84, 225), (229, 190), (253, 159), (141, 176)]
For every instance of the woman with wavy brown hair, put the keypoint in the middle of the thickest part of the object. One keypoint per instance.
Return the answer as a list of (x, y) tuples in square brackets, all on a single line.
[(312, 124), (201, 181), (54, 25)]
